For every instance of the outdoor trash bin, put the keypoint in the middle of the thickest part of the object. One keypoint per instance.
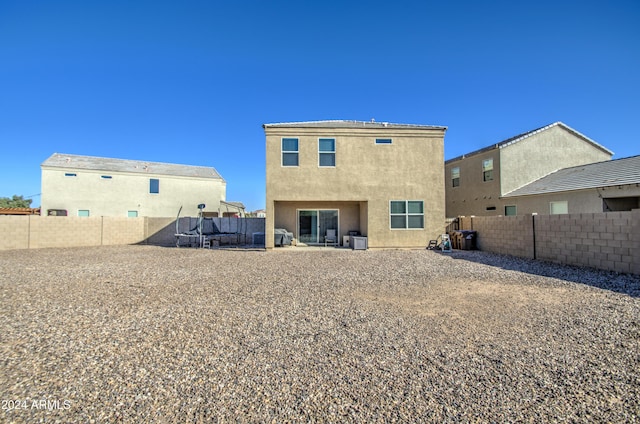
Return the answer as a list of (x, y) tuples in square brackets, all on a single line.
[(468, 240)]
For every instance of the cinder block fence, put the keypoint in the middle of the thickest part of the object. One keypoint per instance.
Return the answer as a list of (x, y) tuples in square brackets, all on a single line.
[(608, 240), (34, 231)]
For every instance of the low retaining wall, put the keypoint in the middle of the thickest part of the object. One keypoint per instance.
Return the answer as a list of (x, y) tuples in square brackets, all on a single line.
[(608, 240), (34, 231)]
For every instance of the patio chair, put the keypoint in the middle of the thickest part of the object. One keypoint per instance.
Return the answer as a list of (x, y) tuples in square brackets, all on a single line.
[(331, 238)]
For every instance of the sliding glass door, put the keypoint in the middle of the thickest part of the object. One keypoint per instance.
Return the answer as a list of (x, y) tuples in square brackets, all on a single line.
[(313, 224)]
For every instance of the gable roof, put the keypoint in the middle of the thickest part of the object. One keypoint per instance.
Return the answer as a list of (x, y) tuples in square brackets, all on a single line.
[(594, 175), (525, 135), (350, 124), (60, 160)]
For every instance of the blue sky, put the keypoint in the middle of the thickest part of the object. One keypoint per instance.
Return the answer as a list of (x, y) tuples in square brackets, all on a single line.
[(192, 82)]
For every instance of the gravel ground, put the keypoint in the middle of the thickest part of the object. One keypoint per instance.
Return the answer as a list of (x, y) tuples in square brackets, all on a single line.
[(151, 334)]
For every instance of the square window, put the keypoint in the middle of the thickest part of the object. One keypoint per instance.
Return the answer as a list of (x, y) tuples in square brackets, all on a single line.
[(327, 151), (289, 152), (406, 214), (509, 210), (556, 208), (154, 186), (398, 221)]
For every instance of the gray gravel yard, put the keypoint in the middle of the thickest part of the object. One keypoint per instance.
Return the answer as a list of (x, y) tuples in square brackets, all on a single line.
[(152, 334)]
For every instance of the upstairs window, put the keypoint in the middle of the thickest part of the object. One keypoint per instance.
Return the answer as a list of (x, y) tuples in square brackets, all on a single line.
[(556, 208), (510, 210), (132, 214), (83, 212), (406, 214), (384, 141), (455, 176), (106, 177), (70, 174), (487, 170), (154, 186), (327, 151), (289, 152)]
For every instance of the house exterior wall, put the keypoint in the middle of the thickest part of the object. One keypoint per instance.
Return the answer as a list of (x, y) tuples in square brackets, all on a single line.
[(514, 165), (578, 201), (367, 174), (474, 195), (124, 192), (543, 153)]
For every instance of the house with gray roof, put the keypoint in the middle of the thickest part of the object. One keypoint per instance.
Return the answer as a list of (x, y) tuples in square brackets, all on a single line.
[(606, 186), (477, 183), (78, 185)]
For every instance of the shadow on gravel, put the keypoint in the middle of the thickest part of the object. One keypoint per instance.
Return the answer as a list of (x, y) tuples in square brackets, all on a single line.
[(628, 284)]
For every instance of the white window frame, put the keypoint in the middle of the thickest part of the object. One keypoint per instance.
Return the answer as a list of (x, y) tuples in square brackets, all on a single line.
[(283, 152), (327, 152), (406, 214)]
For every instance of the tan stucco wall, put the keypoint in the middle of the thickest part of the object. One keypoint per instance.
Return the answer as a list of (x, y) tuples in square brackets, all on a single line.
[(474, 195), (514, 165), (124, 192), (543, 153), (581, 201), (408, 169)]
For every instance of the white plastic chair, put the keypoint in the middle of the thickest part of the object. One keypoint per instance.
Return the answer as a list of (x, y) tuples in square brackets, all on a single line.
[(331, 238)]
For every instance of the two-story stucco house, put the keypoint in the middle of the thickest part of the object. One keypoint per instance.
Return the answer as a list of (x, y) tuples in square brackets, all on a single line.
[(382, 180), (477, 182), (93, 186)]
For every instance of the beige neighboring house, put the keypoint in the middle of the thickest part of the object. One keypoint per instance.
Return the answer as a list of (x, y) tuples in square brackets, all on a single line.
[(382, 180), (608, 186), (477, 182), (94, 186)]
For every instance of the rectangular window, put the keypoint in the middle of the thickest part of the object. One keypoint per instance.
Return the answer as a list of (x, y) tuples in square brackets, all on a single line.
[(556, 208), (383, 141), (510, 211), (154, 186), (455, 176), (132, 214), (289, 152), (327, 151), (83, 212), (106, 177), (406, 214), (487, 170), (70, 174)]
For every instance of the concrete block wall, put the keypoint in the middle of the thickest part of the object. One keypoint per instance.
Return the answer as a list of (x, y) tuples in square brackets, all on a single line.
[(67, 231), (598, 240), (34, 231), (14, 232), (608, 240), (122, 230), (510, 235)]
